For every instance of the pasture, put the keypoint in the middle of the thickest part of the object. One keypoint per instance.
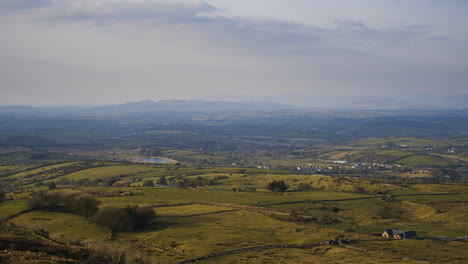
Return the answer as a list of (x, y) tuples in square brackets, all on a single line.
[(410, 142), (425, 160), (227, 222)]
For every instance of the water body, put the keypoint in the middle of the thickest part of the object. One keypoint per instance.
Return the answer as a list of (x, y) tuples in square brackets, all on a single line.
[(154, 160)]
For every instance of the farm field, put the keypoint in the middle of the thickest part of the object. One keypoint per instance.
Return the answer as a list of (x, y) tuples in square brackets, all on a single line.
[(424, 160), (238, 132), (337, 202), (411, 142), (12, 207), (38, 171), (236, 219)]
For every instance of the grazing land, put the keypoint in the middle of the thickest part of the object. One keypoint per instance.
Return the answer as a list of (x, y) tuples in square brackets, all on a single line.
[(235, 191)]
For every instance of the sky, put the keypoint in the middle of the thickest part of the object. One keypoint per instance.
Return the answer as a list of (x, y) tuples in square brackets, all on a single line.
[(303, 52)]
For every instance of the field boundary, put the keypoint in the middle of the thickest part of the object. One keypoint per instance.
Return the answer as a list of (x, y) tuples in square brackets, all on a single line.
[(237, 251)]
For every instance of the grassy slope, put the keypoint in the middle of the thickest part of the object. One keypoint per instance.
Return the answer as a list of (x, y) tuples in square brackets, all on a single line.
[(108, 171), (12, 207), (199, 229), (39, 170), (452, 188), (174, 196), (221, 230), (6, 167), (416, 142), (425, 160), (320, 254), (421, 251), (63, 226)]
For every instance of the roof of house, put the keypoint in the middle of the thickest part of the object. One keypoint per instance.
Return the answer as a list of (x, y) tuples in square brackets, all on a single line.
[(394, 231), (401, 233), (408, 234)]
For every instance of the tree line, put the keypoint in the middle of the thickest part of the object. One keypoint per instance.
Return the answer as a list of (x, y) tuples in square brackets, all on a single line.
[(130, 218)]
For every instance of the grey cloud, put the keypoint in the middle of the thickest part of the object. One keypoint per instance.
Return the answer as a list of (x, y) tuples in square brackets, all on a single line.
[(277, 36), (85, 10), (364, 35), (349, 24), (19, 5), (420, 27), (113, 45)]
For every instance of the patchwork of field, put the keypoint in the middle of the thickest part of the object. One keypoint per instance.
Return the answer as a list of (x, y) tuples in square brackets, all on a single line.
[(223, 226), (12, 207), (451, 188), (237, 220), (369, 155), (62, 226), (6, 167), (109, 171), (411, 142), (219, 229), (34, 172), (424, 160)]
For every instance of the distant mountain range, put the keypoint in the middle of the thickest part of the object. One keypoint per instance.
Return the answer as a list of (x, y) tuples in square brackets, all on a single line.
[(384, 104), (192, 105), (421, 102)]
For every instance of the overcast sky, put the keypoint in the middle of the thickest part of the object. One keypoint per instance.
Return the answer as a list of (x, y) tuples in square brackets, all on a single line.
[(115, 51)]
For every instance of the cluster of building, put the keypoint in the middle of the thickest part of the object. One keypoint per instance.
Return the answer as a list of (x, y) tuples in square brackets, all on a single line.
[(346, 165), (399, 234)]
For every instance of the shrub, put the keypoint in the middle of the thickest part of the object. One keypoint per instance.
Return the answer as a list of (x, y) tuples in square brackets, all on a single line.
[(162, 180), (108, 252), (304, 186), (122, 183), (85, 205), (140, 215), (105, 253), (36, 201), (2, 196), (63, 181), (148, 183), (69, 197), (359, 189), (52, 186), (53, 198), (327, 220), (277, 186)]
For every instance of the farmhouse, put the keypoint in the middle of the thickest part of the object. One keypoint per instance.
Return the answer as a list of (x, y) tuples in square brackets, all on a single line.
[(399, 234)]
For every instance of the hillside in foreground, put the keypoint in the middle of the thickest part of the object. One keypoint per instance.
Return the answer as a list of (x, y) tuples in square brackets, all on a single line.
[(222, 214)]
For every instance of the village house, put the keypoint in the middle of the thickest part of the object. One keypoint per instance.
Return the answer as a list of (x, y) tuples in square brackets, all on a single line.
[(399, 234)]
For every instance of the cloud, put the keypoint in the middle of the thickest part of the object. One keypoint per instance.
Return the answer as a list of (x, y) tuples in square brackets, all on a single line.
[(111, 10), (21, 5), (192, 47), (204, 18)]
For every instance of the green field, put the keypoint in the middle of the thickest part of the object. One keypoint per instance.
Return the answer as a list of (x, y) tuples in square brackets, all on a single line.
[(410, 251), (63, 226), (12, 207), (237, 212), (394, 153), (6, 167), (218, 229), (108, 171), (410, 142), (425, 160), (39, 170), (452, 188)]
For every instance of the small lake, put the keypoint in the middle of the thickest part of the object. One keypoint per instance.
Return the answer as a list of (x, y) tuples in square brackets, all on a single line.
[(154, 160)]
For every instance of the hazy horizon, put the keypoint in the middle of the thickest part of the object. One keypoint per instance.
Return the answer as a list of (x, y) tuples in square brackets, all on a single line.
[(301, 52)]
